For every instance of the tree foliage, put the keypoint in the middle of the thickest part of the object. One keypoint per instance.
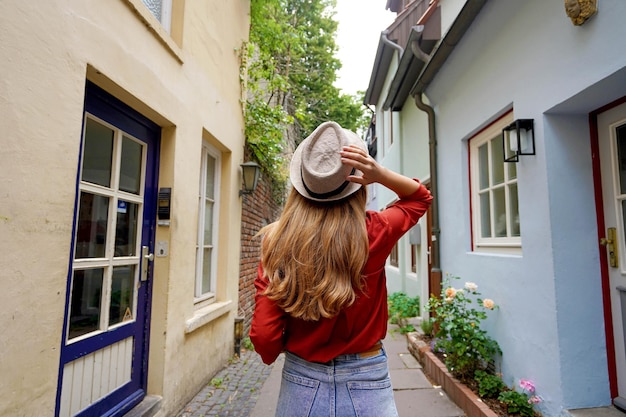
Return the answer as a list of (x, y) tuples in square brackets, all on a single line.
[(290, 68)]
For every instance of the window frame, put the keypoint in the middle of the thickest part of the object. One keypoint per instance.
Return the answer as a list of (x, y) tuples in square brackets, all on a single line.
[(394, 255), (412, 258), (109, 261), (166, 14), (505, 244), (209, 296)]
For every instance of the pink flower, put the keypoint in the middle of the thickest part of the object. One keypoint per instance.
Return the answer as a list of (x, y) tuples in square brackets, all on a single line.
[(488, 303), (526, 384), (534, 400)]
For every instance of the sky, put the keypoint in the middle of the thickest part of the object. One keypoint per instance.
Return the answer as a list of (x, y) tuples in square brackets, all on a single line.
[(358, 34)]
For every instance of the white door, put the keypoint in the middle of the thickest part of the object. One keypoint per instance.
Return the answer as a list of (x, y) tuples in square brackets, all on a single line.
[(612, 143)]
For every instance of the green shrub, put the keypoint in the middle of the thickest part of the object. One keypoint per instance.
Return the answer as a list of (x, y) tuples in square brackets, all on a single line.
[(457, 315), (407, 329), (489, 386), (246, 343), (401, 306), (427, 327), (517, 403)]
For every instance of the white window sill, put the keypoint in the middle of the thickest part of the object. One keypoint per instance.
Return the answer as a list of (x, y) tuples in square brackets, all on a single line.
[(156, 28), (207, 314), (514, 252)]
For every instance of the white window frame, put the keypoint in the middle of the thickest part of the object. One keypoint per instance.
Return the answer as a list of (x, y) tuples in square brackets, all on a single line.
[(114, 194), (395, 263), (166, 14), (381, 132), (506, 244), (199, 296)]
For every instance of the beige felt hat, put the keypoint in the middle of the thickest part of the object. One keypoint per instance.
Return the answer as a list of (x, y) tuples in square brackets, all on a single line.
[(316, 170)]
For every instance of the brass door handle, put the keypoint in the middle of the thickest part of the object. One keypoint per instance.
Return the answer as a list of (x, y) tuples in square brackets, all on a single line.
[(610, 242)]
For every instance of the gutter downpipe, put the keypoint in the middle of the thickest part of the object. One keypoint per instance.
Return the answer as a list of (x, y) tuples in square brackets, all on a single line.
[(433, 64), (388, 42), (400, 51), (435, 266)]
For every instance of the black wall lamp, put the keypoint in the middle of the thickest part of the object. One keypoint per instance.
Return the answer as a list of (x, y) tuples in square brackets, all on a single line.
[(518, 139), (251, 171)]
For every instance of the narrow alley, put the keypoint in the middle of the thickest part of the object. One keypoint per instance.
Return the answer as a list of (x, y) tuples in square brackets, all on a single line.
[(249, 388)]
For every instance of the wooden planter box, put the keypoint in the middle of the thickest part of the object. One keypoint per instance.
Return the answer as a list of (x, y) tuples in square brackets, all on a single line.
[(436, 370)]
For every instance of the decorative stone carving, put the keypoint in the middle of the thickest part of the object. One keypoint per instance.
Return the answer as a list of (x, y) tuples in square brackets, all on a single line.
[(580, 10)]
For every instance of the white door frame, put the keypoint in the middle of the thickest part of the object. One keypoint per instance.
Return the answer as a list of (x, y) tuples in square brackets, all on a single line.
[(613, 204)]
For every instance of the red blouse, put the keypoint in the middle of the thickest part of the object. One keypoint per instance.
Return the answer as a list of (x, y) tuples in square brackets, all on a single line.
[(357, 327)]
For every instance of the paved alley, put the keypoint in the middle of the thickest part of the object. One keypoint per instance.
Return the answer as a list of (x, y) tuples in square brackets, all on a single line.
[(249, 388)]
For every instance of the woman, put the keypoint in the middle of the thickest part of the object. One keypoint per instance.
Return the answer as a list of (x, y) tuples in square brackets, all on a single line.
[(321, 292)]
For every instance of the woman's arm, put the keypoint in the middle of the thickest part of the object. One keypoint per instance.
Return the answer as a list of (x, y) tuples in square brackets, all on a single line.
[(374, 172), (268, 322)]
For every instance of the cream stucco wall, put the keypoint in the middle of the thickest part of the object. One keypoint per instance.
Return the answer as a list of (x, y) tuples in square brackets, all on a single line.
[(188, 83)]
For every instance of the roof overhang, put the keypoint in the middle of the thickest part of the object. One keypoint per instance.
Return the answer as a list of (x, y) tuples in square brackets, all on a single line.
[(421, 42), (442, 51), (384, 55)]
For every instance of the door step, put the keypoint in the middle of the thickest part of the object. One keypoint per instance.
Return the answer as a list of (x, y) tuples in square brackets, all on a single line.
[(146, 408)]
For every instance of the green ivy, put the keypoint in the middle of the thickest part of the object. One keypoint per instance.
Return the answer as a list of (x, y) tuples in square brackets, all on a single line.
[(287, 71)]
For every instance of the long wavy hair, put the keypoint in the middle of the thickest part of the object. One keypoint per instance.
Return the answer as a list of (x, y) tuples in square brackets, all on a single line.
[(314, 255)]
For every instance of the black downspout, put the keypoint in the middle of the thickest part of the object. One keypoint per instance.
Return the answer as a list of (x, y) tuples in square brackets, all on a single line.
[(434, 62), (435, 284)]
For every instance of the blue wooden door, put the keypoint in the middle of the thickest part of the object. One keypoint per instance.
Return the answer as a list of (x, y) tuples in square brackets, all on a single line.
[(103, 370)]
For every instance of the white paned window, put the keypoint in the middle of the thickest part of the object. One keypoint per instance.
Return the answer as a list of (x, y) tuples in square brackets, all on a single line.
[(494, 199), (206, 253), (162, 10)]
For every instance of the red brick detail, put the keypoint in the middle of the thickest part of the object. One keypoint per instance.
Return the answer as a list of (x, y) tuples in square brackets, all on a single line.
[(258, 209), (436, 370)]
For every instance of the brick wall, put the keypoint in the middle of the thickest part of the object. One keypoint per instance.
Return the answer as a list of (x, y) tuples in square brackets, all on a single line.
[(258, 210)]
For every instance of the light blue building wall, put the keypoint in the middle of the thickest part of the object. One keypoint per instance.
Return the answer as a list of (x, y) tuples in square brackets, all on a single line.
[(411, 158), (527, 56)]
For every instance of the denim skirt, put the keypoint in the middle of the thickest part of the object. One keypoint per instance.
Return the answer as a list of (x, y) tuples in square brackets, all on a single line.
[(347, 386)]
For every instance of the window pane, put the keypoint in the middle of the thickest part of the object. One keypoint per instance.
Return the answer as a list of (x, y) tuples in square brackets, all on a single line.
[(210, 177), (206, 270), (86, 301), (620, 134), (485, 215), (92, 226), (497, 161), (155, 7), (499, 212), (130, 169), (208, 223), (126, 228), (514, 210), (122, 296), (97, 154), (483, 166), (624, 212)]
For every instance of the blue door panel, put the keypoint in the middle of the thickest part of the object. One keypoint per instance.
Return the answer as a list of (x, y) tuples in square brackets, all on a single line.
[(106, 107)]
